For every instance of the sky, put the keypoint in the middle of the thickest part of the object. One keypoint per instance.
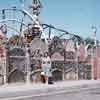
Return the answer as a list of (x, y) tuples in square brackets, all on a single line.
[(75, 16)]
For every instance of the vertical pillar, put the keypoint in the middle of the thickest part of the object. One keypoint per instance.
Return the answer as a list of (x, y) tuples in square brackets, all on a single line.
[(98, 68), (5, 65), (77, 68), (27, 65), (5, 78), (63, 75), (92, 68), (95, 58), (77, 65), (95, 68)]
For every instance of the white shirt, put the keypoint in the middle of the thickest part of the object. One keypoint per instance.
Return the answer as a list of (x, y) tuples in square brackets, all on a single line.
[(46, 65), (46, 61)]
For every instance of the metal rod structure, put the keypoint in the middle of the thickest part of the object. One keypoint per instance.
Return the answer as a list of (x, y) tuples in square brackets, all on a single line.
[(3, 14), (7, 20), (63, 31), (49, 32), (22, 11)]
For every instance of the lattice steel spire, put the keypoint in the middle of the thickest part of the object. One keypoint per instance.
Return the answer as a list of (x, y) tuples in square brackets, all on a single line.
[(36, 6)]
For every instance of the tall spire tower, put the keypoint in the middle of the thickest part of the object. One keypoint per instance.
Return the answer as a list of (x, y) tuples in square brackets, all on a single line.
[(36, 28), (36, 7), (94, 35)]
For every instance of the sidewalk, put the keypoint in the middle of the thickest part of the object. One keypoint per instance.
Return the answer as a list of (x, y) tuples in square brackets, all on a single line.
[(39, 86)]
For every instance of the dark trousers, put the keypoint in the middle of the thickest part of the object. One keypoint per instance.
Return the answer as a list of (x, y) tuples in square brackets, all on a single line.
[(50, 80), (43, 80)]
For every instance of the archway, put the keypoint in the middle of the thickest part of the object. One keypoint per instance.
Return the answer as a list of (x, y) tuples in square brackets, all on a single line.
[(57, 75), (35, 76), (16, 76), (71, 75), (17, 59), (1, 79)]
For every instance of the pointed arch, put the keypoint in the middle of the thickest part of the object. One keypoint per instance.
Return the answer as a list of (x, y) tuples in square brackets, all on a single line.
[(16, 76)]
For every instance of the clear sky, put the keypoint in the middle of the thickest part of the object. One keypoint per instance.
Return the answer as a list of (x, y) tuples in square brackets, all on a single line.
[(76, 16)]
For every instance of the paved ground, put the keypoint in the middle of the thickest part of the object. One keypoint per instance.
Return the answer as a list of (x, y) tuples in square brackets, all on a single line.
[(67, 90), (92, 94)]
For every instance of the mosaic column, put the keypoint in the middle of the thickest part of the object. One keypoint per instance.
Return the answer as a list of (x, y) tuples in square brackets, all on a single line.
[(27, 66), (5, 65)]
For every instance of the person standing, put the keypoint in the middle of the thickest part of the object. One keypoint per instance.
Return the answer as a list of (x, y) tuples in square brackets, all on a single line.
[(33, 78), (46, 65), (50, 78), (43, 77)]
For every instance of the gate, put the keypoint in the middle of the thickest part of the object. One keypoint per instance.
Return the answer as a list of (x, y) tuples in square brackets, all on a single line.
[(57, 75), (16, 76), (16, 67)]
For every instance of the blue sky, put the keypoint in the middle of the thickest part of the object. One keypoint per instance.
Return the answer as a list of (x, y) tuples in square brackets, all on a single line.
[(76, 16)]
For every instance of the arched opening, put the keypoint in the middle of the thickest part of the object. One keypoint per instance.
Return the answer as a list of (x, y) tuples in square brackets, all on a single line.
[(36, 76), (71, 75), (16, 76), (1, 79), (17, 59), (57, 75)]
